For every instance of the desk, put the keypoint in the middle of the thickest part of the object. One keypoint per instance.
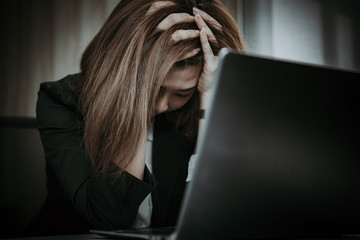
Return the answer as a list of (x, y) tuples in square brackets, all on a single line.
[(97, 237), (63, 237)]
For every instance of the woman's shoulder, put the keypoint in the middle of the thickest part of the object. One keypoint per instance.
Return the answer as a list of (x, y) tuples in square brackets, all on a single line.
[(61, 90), (56, 106)]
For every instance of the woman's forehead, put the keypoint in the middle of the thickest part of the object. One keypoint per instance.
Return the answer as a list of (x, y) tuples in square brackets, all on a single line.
[(182, 78)]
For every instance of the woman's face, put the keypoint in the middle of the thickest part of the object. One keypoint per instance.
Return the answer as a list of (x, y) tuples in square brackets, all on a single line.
[(177, 89)]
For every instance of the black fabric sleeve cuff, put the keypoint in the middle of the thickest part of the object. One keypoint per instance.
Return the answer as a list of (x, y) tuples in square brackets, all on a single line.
[(113, 204)]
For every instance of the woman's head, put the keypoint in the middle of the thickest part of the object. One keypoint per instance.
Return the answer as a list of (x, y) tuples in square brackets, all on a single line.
[(177, 89), (132, 71)]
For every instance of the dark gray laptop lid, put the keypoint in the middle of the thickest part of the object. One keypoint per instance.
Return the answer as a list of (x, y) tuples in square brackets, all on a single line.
[(279, 155)]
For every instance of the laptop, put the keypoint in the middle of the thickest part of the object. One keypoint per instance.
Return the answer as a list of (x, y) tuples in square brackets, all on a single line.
[(278, 157)]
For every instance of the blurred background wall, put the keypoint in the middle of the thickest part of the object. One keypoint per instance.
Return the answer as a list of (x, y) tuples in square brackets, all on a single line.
[(42, 40), (313, 31)]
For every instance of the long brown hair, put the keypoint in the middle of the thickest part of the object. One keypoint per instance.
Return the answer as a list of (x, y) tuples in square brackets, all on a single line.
[(124, 67)]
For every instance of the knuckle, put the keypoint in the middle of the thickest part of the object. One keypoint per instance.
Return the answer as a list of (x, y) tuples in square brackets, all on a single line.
[(184, 15), (194, 33), (186, 34), (181, 34), (172, 18), (161, 26), (174, 36)]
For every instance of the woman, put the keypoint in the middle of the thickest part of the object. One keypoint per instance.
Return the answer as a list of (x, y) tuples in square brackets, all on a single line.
[(146, 73)]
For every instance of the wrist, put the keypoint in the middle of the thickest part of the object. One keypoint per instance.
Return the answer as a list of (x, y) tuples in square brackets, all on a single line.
[(204, 101)]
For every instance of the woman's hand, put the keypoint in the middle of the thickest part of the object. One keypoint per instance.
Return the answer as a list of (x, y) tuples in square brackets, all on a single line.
[(210, 60)]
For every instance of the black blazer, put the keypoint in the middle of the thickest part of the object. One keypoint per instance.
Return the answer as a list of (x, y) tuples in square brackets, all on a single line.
[(78, 199)]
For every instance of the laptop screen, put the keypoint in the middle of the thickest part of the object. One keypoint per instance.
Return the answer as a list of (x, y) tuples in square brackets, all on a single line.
[(279, 153)]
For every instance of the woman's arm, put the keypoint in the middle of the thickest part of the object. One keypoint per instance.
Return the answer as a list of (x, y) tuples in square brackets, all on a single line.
[(137, 166), (105, 203)]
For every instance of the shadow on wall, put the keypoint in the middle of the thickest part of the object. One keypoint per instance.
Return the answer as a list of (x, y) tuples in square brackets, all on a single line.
[(22, 174)]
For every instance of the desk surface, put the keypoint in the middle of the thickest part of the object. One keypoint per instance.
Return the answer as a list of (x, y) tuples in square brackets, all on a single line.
[(63, 237), (97, 237)]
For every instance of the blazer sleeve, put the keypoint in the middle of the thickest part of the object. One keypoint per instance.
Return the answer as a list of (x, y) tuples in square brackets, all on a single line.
[(105, 203)]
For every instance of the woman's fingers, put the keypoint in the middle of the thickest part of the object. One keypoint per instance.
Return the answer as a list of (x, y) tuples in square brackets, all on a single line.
[(206, 36), (191, 54), (180, 35), (201, 24), (210, 64), (173, 19), (207, 50), (210, 20), (210, 60), (156, 6)]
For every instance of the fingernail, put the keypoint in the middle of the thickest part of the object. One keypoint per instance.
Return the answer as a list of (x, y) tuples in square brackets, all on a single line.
[(198, 49), (195, 9)]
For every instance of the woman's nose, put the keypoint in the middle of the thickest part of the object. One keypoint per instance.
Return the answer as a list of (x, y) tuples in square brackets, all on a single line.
[(162, 103)]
